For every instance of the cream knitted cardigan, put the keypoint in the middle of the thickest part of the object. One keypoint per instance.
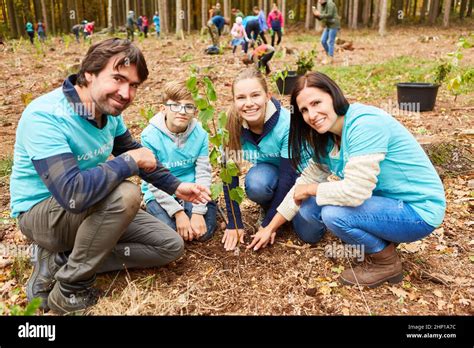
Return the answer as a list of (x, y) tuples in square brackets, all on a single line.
[(360, 179)]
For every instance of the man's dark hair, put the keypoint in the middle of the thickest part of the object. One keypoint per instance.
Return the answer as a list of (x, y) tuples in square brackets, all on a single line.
[(100, 53)]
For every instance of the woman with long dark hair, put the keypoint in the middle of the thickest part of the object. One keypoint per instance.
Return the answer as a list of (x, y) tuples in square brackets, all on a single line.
[(385, 190)]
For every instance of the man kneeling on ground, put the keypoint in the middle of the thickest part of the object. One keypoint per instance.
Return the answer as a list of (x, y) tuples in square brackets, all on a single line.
[(77, 206)]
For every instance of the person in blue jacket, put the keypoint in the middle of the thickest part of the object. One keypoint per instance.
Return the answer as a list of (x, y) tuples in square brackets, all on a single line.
[(258, 132), (156, 22), (215, 26), (252, 30), (262, 21), (177, 139)]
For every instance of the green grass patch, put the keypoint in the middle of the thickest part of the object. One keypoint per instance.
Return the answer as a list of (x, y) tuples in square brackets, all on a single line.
[(379, 80), (6, 165)]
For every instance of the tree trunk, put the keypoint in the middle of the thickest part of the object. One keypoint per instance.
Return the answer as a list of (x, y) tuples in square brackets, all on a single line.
[(355, 13), (469, 10), (4, 11), (283, 10), (37, 7), (383, 18), (26, 11), (53, 26), (45, 14), (462, 9), (399, 11), (376, 13), (12, 19), (424, 8), (447, 11), (226, 9), (18, 21), (309, 14), (366, 12), (110, 24), (349, 13), (203, 13), (414, 8), (179, 18), (165, 17), (434, 6), (161, 11), (64, 16), (188, 16), (317, 25)]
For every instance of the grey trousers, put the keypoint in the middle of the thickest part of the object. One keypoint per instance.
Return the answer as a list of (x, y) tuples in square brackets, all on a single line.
[(111, 235)]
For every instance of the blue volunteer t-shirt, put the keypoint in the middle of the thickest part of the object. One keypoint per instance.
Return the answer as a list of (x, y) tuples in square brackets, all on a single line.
[(406, 173), (272, 146), (49, 126), (181, 161)]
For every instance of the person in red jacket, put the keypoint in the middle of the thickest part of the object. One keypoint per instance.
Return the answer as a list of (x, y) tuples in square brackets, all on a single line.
[(89, 30), (145, 25), (275, 23)]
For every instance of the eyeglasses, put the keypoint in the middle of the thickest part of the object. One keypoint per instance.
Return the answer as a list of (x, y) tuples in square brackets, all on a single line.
[(188, 108)]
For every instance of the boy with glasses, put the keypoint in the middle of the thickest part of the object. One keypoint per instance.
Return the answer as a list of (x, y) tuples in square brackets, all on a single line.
[(182, 145)]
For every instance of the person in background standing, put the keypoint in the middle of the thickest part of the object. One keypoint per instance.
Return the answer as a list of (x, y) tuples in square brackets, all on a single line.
[(156, 22), (131, 23), (330, 19), (30, 30), (145, 25), (262, 21), (140, 24), (41, 30), (275, 23)]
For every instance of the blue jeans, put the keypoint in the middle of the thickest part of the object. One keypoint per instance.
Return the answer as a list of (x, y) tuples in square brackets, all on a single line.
[(374, 224), (261, 183), (331, 34), (155, 209)]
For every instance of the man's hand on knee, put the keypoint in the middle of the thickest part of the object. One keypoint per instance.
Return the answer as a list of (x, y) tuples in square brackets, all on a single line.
[(144, 158)]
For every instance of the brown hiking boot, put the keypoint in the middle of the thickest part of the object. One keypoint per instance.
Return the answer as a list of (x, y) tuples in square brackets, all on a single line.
[(377, 269)]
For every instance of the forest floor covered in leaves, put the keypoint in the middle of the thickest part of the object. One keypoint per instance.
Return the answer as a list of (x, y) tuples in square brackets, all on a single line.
[(288, 278)]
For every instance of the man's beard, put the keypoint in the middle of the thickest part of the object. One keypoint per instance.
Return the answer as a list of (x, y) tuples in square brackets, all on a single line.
[(103, 107)]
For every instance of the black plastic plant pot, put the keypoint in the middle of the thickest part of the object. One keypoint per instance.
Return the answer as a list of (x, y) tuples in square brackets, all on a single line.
[(415, 97), (287, 87)]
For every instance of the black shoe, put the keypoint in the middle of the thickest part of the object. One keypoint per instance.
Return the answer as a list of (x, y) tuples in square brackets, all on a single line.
[(46, 264), (72, 298)]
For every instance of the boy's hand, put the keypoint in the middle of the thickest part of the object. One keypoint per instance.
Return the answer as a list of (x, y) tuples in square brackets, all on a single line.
[(193, 193), (183, 226), (198, 225), (232, 237)]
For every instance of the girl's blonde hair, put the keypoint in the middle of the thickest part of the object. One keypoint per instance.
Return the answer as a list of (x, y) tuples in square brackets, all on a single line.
[(234, 121)]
